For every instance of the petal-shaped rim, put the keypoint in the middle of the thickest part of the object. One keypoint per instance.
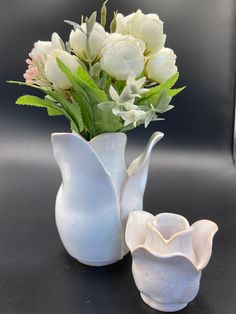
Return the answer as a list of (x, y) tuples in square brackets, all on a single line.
[(74, 134), (203, 234), (175, 235), (135, 232), (100, 136), (137, 224), (118, 134), (110, 148), (164, 256)]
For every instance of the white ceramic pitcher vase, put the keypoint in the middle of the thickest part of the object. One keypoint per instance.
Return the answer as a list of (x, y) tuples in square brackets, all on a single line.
[(97, 194)]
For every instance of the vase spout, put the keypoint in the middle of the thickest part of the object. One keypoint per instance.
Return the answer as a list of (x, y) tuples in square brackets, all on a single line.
[(133, 190)]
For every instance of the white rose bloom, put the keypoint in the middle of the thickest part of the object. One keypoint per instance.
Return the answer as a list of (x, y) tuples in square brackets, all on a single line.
[(53, 72), (122, 56), (96, 39), (147, 27), (161, 66)]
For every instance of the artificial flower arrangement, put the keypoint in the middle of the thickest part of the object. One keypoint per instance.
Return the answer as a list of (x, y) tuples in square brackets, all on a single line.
[(105, 84), (104, 81)]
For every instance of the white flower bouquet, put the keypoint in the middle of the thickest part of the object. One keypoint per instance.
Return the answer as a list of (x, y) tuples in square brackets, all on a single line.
[(104, 82)]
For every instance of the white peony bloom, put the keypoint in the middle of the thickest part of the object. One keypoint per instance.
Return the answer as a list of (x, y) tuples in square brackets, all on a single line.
[(53, 72), (42, 48), (161, 66), (147, 27), (37, 57), (121, 24), (96, 40), (122, 56)]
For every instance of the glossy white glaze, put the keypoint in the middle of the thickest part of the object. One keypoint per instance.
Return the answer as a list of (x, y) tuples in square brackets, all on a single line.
[(168, 257), (92, 203)]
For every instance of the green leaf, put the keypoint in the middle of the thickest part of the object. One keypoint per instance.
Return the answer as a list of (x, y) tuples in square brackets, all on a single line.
[(78, 114), (96, 69), (170, 82), (113, 24), (86, 110), (90, 22), (152, 96), (104, 14), (82, 83), (120, 85), (24, 84), (30, 100), (108, 105), (163, 102), (103, 80), (174, 91), (54, 112), (70, 110), (88, 96), (75, 25), (84, 76)]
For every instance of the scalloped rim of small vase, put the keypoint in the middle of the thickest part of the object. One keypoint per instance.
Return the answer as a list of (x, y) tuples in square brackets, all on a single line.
[(163, 307), (197, 267), (187, 229)]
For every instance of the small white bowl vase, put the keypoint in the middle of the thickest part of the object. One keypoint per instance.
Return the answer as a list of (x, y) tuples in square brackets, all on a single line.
[(97, 194), (168, 257)]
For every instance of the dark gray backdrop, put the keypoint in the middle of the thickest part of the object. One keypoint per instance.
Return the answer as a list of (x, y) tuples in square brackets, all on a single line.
[(192, 170)]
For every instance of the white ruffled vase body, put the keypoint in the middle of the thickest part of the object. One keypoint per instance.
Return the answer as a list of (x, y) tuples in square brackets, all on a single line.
[(97, 194), (168, 257)]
